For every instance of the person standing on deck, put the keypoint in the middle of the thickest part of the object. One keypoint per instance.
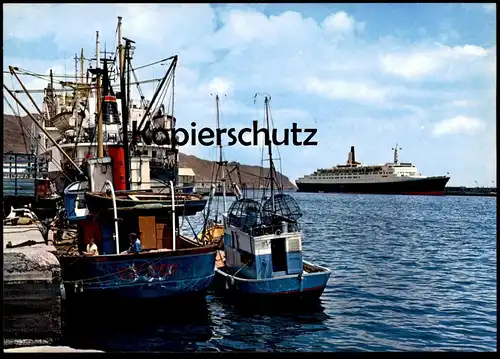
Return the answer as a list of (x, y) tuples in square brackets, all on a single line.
[(135, 243), (92, 248)]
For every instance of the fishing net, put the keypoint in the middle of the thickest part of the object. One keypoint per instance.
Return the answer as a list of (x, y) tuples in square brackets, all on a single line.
[(285, 209), (245, 213)]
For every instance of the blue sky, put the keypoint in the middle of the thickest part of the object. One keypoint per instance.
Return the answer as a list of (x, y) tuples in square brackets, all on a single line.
[(367, 75)]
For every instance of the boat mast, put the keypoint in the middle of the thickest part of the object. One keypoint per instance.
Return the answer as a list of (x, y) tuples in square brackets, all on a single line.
[(396, 153), (82, 59), (221, 162), (76, 68), (100, 149), (120, 46), (126, 107), (270, 152)]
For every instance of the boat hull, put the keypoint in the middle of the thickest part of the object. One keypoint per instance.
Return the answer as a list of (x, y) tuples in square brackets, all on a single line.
[(309, 286), (146, 275), (419, 186)]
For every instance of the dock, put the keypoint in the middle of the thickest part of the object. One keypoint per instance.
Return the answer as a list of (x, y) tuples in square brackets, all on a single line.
[(471, 191), (49, 349), (32, 288)]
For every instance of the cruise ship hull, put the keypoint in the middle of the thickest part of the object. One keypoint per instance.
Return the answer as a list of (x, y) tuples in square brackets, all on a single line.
[(418, 186)]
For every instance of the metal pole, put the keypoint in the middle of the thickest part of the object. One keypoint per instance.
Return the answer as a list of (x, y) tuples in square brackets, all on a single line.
[(172, 65), (82, 62), (76, 69), (11, 69), (173, 215), (43, 129), (223, 179), (120, 46), (115, 212), (271, 165), (100, 149), (125, 114)]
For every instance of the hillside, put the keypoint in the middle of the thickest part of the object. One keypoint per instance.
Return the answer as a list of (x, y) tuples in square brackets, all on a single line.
[(249, 174), (12, 134), (13, 141)]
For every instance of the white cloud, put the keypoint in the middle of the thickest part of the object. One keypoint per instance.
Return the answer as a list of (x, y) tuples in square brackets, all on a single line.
[(220, 86), (458, 124), (439, 61), (462, 103), (345, 90), (150, 25), (339, 21)]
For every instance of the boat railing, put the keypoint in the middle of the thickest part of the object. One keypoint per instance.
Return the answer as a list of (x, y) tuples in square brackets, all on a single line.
[(285, 227)]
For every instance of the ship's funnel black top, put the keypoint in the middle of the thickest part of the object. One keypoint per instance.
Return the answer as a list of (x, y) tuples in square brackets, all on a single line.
[(353, 158)]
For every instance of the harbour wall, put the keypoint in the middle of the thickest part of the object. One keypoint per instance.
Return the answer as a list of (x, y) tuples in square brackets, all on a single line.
[(32, 290)]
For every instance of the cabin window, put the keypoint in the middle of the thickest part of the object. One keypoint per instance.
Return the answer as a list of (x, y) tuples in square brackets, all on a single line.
[(278, 254), (153, 154), (145, 152)]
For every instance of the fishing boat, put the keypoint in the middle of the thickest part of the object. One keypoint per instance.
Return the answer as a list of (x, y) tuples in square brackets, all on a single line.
[(105, 264), (70, 115), (263, 247), (166, 266)]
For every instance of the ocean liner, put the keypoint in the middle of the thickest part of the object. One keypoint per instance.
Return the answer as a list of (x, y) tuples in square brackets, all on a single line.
[(390, 178)]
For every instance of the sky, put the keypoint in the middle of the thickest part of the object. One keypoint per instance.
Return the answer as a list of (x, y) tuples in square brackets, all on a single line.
[(365, 75)]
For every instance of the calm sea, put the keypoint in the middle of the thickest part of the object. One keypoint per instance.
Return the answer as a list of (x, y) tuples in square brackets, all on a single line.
[(409, 273)]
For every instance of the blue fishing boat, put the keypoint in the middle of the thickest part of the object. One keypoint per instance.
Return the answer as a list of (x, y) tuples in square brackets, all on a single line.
[(262, 254), (166, 265)]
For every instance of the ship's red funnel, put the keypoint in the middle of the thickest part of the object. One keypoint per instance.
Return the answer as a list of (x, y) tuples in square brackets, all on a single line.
[(117, 153)]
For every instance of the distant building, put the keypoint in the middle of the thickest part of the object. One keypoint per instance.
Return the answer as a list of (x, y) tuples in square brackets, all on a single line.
[(187, 179), (186, 176)]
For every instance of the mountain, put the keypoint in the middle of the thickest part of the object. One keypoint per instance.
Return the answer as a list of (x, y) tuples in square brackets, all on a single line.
[(13, 140), (249, 174)]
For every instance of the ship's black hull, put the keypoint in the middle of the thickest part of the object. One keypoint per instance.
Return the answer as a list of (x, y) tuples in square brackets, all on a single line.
[(421, 186)]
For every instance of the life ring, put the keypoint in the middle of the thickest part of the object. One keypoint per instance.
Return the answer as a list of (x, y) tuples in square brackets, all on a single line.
[(278, 232)]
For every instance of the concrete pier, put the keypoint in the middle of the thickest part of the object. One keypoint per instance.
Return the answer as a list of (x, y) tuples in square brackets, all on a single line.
[(32, 289), (48, 349)]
